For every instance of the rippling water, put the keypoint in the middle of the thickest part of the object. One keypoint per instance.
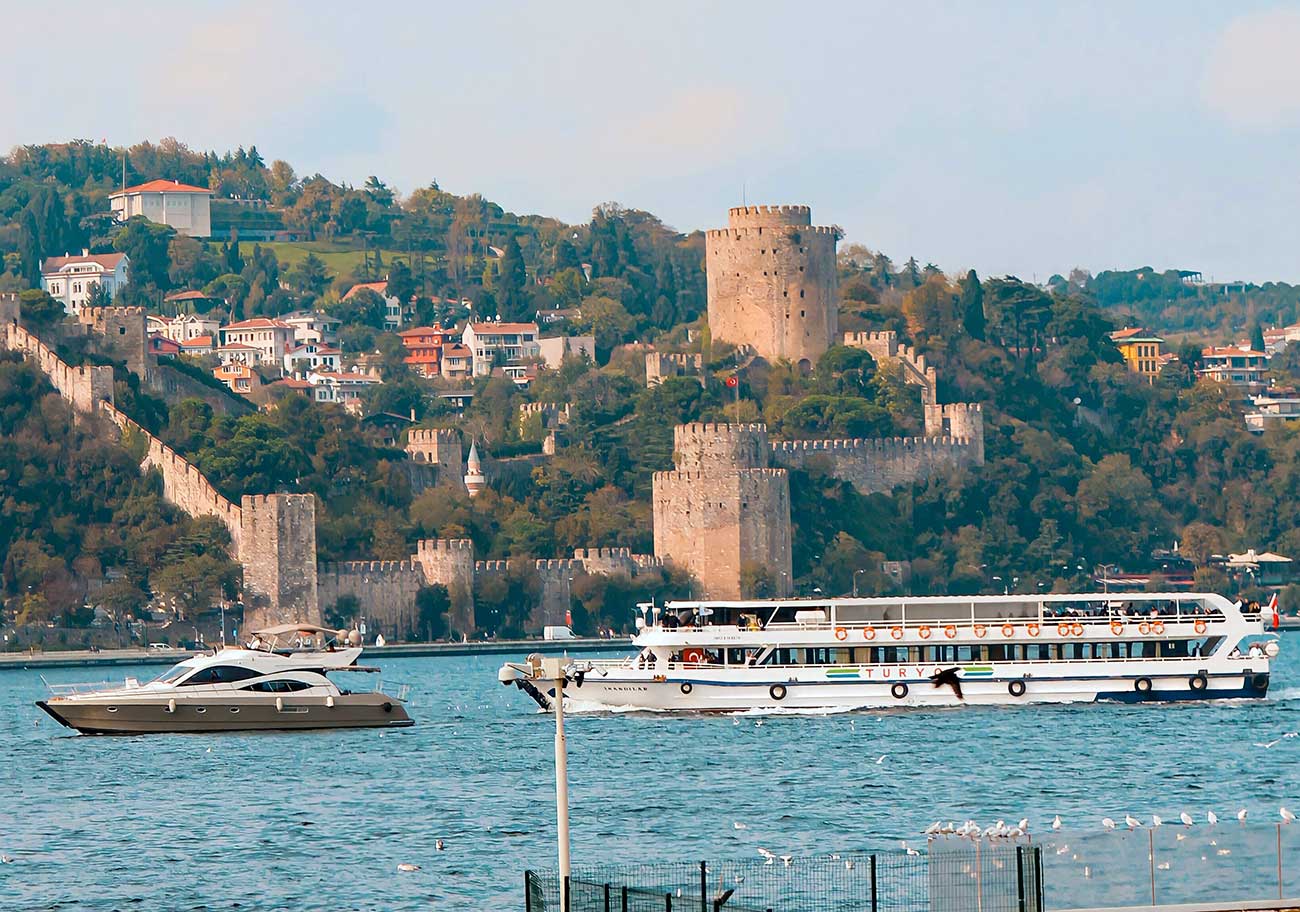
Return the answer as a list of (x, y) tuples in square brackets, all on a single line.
[(321, 820)]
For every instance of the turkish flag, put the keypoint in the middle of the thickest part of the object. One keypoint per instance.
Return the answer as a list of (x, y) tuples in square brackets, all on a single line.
[(733, 381)]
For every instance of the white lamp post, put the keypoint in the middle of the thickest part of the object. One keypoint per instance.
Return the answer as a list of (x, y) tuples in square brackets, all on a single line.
[(553, 670)]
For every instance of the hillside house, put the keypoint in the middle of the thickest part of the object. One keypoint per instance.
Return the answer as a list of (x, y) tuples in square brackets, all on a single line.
[(72, 279)]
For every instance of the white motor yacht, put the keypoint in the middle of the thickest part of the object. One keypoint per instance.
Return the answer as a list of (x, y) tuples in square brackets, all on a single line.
[(278, 681)]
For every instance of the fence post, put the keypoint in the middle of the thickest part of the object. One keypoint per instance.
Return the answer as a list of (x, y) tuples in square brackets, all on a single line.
[(528, 891), (668, 902), (564, 897), (704, 886), (873, 883), (1038, 878), (1151, 856), (625, 899), (1020, 877), (1280, 894), (607, 898)]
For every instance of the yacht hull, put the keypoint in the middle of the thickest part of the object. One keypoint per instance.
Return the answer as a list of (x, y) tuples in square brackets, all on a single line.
[(138, 716)]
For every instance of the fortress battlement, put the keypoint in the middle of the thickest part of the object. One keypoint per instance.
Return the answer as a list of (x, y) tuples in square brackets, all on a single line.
[(433, 545), (557, 563), (491, 566), (718, 429), (834, 231), (581, 554), (433, 435), (371, 566)]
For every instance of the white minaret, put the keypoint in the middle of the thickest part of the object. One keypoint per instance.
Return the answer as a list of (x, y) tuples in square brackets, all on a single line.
[(474, 479)]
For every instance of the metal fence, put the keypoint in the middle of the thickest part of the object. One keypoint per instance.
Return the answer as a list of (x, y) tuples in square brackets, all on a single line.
[(1224, 863), (950, 877)]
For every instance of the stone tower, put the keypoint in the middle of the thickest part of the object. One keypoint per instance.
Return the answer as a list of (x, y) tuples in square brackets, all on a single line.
[(277, 546), (772, 283), (958, 421), (474, 479), (723, 511), (450, 562), (439, 447)]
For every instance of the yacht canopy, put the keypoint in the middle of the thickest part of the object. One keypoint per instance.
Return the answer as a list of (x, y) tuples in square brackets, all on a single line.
[(286, 629)]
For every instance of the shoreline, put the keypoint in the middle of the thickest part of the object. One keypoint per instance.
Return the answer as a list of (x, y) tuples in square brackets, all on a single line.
[(81, 658)]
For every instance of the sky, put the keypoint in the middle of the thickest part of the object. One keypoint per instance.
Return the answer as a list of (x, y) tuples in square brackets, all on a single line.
[(1011, 138)]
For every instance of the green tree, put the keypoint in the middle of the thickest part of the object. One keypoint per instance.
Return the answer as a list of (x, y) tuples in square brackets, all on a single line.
[(972, 306), (29, 247), (39, 310), (432, 607), (146, 244), (1257, 337)]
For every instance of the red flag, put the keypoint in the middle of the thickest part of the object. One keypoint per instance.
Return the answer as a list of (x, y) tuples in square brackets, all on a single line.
[(1272, 606), (733, 381)]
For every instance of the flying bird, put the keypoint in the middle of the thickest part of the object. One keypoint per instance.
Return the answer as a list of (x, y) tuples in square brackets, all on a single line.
[(948, 678), (881, 759)]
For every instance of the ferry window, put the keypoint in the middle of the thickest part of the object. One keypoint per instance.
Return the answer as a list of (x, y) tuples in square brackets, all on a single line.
[(914, 654), (841, 656), (221, 674), (171, 674), (1174, 649), (996, 653), (736, 657), (964, 653), (285, 686), (1143, 650)]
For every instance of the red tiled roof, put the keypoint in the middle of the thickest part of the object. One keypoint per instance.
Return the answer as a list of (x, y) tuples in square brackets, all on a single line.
[(239, 346), (200, 342), (162, 186), (107, 260), (257, 323), (455, 350), (293, 383), (376, 287), (1230, 352), (423, 331)]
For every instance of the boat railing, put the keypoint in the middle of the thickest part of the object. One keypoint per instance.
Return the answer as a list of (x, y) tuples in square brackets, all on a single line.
[(399, 690), (1062, 623), (69, 690)]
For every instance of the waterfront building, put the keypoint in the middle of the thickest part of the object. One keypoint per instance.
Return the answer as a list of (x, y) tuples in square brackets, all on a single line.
[(184, 207), (72, 279)]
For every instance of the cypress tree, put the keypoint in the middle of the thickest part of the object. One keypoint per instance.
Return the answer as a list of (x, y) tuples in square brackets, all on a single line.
[(972, 306), (29, 247), (1257, 337)]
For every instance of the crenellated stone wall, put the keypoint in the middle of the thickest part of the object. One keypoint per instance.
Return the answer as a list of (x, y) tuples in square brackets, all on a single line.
[(659, 366), (439, 448), (884, 346), (121, 333), (876, 466), (278, 551)]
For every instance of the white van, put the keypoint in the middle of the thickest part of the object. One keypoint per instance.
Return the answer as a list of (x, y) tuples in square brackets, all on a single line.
[(557, 633)]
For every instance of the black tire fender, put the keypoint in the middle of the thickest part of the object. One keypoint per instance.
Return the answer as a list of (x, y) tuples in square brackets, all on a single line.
[(1198, 682), (1142, 685), (777, 691), (1016, 688), (686, 687), (899, 690)]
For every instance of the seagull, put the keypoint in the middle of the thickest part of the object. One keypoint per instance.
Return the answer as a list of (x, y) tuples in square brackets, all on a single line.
[(1133, 822), (948, 678), (934, 829), (740, 826), (1287, 816), (408, 867), (1156, 821), (1023, 825), (911, 851), (787, 859), (439, 844), (6, 859), (765, 853), (1267, 744), (1056, 823), (1180, 837), (947, 829), (1212, 817), (881, 759), (1241, 816), (848, 864), (1107, 823), (1186, 818)]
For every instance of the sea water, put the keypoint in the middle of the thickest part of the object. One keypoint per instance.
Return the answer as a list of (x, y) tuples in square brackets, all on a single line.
[(321, 820)]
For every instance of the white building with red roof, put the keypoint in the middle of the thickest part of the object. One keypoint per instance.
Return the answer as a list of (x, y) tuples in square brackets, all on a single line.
[(184, 207), (272, 338), (500, 344), (311, 356), (72, 279), (394, 311)]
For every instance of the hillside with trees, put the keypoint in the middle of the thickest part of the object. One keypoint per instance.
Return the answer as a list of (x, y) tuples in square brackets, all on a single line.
[(1087, 464)]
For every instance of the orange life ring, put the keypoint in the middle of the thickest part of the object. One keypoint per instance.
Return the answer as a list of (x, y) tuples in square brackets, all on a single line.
[(1158, 628), (980, 630), (1076, 629), (1144, 628), (896, 632), (1199, 626), (1063, 630), (841, 633), (868, 633), (1032, 629), (693, 655), (950, 631), (924, 633), (1116, 628), (1008, 630)]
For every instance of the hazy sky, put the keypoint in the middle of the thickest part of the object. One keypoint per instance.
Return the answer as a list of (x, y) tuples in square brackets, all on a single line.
[(1015, 138)]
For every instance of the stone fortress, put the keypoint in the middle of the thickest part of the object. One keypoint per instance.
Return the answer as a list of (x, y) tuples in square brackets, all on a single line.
[(721, 514), (725, 509)]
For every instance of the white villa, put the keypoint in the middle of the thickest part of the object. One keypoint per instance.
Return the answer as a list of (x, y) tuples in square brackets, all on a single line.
[(500, 343), (272, 338), (333, 386), (313, 328), (394, 312), (184, 207), (71, 279)]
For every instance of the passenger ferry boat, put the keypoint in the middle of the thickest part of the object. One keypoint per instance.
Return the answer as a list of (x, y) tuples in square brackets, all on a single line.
[(848, 653)]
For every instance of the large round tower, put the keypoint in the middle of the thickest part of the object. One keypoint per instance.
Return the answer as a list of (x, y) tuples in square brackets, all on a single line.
[(772, 283)]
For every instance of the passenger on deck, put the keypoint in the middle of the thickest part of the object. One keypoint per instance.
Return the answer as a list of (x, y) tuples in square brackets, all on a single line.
[(668, 620)]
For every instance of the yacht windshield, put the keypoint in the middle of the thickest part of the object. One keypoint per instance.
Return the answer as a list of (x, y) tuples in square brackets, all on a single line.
[(171, 674)]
